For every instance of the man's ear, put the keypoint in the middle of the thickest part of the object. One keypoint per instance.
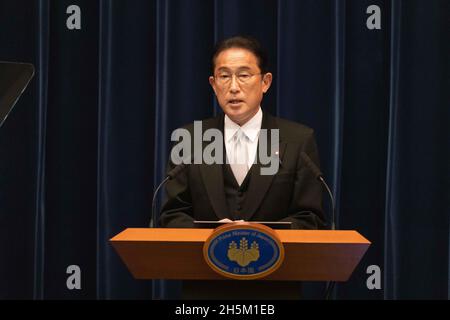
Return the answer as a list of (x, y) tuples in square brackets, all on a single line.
[(267, 81), (212, 83)]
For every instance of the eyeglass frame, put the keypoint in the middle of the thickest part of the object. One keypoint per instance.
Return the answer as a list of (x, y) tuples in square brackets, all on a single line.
[(235, 74)]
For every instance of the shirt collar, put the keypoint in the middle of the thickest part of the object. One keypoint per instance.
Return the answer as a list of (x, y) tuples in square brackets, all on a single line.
[(251, 128)]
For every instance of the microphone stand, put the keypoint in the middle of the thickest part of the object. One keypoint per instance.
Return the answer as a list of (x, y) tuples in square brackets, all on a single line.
[(319, 176), (153, 222)]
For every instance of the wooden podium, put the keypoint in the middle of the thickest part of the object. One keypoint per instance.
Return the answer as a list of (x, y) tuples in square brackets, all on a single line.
[(310, 255)]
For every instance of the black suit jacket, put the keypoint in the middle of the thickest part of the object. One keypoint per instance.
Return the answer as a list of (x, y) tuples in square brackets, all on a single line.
[(292, 194)]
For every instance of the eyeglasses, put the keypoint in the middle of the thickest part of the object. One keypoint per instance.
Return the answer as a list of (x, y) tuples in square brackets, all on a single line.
[(243, 77)]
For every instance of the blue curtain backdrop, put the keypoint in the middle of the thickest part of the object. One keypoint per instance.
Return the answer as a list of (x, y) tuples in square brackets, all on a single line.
[(86, 144)]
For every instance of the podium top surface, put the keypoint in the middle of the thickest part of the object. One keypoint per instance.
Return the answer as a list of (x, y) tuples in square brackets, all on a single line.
[(200, 235)]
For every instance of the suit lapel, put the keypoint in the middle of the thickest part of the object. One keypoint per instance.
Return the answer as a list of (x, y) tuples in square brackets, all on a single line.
[(212, 176), (259, 184)]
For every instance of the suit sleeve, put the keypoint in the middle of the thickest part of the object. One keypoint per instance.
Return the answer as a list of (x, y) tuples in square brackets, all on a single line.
[(305, 210), (176, 211)]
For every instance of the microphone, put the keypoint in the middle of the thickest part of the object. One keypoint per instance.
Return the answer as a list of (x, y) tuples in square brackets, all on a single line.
[(319, 176), (170, 175)]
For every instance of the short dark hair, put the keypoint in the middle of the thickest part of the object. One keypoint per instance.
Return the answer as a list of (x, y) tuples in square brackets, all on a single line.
[(242, 42)]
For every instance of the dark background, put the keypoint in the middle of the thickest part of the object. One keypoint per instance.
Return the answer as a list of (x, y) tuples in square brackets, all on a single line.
[(88, 141)]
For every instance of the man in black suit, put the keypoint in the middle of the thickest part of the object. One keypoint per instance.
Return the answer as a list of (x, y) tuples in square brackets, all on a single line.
[(237, 189)]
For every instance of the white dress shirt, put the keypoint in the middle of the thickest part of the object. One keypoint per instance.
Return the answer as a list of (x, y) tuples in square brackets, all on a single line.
[(250, 130)]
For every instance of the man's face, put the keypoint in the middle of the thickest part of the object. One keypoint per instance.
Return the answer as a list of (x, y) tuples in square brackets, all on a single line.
[(238, 84)]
